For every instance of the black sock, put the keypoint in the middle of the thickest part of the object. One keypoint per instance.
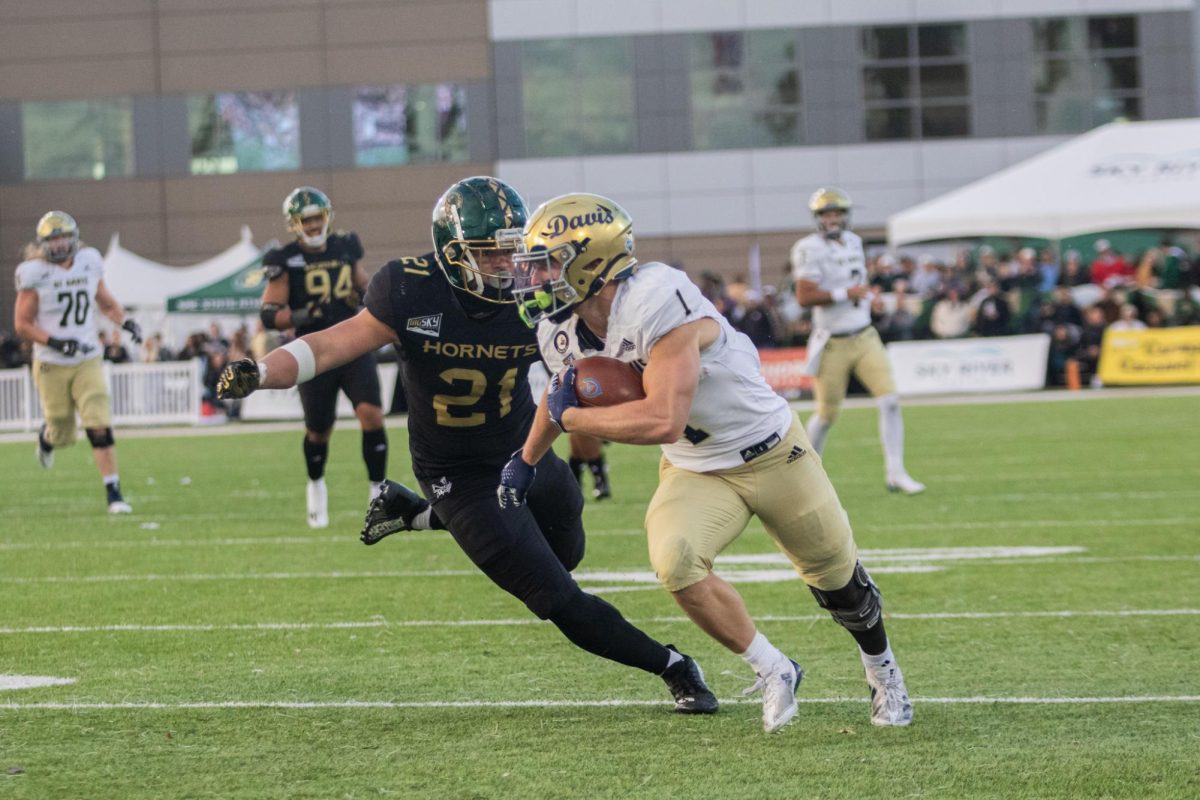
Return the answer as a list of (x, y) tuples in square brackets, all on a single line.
[(375, 452), (113, 489), (595, 626), (599, 471), (576, 465), (42, 443), (871, 641), (314, 458)]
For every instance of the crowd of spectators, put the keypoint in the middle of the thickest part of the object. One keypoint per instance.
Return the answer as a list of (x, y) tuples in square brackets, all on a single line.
[(977, 292), (983, 292)]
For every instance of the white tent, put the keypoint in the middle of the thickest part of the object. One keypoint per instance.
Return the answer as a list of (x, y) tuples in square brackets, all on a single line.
[(1120, 176), (142, 284)]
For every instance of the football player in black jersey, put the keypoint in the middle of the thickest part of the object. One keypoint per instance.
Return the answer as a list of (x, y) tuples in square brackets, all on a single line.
[(313, 283), (465, 358)]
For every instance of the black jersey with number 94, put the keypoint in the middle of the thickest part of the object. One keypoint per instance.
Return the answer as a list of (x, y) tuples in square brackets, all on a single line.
[(324, 279), (467, 380)]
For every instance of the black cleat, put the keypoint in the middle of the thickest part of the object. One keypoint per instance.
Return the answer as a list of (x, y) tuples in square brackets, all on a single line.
[(685, 679), (392, 510)]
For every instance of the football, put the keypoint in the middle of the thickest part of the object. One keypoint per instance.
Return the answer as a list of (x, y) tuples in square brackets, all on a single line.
[(604, 381)]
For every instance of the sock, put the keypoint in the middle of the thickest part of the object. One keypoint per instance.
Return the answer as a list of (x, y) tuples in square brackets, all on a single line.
[(818, 429), (673, 658), (762, 656), (112, 487), (882, 660), (314, 458), (891, 433), (42, 443), (576, 465), (374, 453), (595, 626), (599, 470), (373, 489)]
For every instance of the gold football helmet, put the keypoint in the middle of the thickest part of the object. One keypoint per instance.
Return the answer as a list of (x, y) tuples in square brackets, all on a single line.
[(572, 246), (828, 199), (57, 236)]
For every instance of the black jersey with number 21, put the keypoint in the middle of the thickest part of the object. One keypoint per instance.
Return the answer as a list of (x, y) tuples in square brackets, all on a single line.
[(467, 383)]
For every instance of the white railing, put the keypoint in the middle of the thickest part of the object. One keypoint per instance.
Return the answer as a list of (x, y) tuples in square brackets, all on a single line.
[(142, 394)]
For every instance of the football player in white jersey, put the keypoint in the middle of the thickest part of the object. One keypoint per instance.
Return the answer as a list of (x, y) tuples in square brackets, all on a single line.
[(830, 273), (731, 447), (59, 289)]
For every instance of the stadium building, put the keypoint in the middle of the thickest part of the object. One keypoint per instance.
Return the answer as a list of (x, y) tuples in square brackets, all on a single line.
[(175, 122)]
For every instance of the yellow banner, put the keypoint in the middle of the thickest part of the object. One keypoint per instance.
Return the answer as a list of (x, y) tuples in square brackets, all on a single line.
[(1158, 355)]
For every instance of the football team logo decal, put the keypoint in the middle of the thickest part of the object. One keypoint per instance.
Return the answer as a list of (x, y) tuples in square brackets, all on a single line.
[(561, 341), (590, 388)]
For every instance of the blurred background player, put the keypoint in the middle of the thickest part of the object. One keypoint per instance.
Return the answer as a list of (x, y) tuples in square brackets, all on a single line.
[(830, 273), (731, 447), (589, 451), (59, 288), (315, 282), (466, 359)]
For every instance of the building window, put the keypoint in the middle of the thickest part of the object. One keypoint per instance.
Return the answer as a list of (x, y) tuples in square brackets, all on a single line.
[(1087, 72), (745, 89), (578, 96), (78, 139), (916, 83), (409, 124), (244, 132)]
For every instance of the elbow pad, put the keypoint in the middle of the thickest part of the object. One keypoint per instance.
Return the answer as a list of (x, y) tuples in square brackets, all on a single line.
[(268, 312)]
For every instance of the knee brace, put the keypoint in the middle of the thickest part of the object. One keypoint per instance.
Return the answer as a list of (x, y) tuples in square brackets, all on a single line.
[(100, 437), (856, 606)]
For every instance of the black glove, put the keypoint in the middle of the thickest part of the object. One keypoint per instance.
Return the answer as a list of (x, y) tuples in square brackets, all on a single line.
[(313, 312), (134, 330), (515, 480), (561, 396), (238, 379), (68, 347)]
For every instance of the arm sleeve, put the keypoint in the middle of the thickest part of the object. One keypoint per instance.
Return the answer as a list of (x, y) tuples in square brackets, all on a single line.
[(272, 262), (669, 306), (379, 297), (806, 264)]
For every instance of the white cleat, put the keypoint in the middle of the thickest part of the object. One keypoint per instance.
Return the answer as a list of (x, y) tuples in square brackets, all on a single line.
[(779, 694), (904, 484), (318, 504), (119, 507), (890, 706)]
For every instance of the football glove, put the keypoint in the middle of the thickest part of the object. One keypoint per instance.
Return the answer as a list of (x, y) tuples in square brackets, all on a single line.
[(68, 347), (393, 509), (561, 396), (515, 480), (313, 312), (134, 330), (238, 379)]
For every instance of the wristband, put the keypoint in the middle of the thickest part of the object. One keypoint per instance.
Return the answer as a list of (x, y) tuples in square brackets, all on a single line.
[(839, 295), (306, 362)]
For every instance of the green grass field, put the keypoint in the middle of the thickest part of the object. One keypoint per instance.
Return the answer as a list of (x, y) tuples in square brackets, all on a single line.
[(1043, 599)]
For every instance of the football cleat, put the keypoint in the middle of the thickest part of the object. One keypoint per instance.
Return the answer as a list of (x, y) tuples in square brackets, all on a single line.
[(778, 689), (905, 484), (119, 507), (393, 509), (318, 504), (45, 453), (685, 679), (890, 706)]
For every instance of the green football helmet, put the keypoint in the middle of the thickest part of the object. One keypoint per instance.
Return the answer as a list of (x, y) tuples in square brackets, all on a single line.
[(476, 228), (57, 236), (305, 202)]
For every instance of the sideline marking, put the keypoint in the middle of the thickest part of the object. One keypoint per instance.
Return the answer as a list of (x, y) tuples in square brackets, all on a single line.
[(31, 681), (476, 623), (610, 703)]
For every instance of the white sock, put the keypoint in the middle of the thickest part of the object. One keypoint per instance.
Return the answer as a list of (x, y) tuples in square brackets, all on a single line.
[(762, 656), (375, 486), (878, 662), (421, 522), (891, 433), (818, 429), (111, 480)]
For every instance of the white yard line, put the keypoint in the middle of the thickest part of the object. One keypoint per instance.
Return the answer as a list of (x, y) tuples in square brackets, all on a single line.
[(488, 623), (606, 703)]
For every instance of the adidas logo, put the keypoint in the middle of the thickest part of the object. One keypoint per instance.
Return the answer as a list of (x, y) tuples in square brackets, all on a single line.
[(797, 453)]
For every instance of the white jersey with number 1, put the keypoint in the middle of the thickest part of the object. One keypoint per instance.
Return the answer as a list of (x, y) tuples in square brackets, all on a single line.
[(734, 408), (66, 303)]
